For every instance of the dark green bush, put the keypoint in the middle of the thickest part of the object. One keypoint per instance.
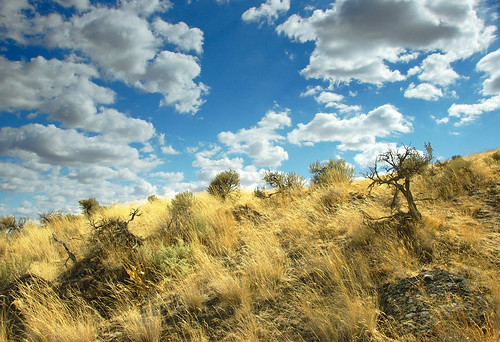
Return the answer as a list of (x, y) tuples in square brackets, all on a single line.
[(224, 184), (331, 172)]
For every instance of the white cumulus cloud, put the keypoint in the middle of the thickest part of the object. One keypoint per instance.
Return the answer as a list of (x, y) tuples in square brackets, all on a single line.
[(186, 38), (269, 10), (122, 42), (490, 64), (258, 142), (425, 91), (467, 113), (379, 122), (354, 39)]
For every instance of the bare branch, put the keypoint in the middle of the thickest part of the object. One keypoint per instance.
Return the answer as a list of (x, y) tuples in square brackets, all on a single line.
[(133, 214), (70, 254), (400, 167)]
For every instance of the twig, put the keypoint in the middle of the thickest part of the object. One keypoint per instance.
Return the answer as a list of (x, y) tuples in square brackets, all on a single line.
[(70, 254), (133, 214)]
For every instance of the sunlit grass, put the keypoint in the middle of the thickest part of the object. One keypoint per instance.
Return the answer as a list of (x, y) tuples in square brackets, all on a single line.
[(303, 265)]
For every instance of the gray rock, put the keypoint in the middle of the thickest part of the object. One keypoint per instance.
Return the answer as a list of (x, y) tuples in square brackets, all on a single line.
[(415, 306)]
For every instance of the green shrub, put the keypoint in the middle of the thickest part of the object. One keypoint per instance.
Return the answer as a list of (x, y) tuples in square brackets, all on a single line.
[(284, 182), (224, 184), (331, 172), (89, 206), (182, 217), (168, 261), (181, 207)]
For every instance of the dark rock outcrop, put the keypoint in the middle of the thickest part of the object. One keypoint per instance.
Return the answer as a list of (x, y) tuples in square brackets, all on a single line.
[(420, 305)]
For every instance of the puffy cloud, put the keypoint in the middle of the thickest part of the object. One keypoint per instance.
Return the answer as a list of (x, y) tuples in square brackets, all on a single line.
[(330, 99), (62, 89), (169, 150), (146, 7), (13, 22), (257, 142), (268, 10), (250, 177), (490, 65), (170, 176), (209, 168), (172, 74), (78, 4), (353, 133), (186, 38), (118, 127), (60, 188), (67, 147), (65, 91), (123, 44), (437, 70), (88, 174), (467, 113), (354, 38), (142, 189), (120, 40), (425, 91), (370, 150)]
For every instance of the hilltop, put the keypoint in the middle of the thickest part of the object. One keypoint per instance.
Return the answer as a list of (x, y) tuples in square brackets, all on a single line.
[(335, 262)]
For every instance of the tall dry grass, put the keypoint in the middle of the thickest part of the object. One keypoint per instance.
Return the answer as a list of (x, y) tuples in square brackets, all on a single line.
[(299, 266), (48, 317)]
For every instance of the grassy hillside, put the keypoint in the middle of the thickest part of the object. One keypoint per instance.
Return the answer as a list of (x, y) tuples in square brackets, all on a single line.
[(306, 265)]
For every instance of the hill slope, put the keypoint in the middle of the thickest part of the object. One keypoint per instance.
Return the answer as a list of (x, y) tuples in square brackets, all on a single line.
[(322, 264)]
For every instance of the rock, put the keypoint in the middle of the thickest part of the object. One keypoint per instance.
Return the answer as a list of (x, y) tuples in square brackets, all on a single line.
[(419, 305)]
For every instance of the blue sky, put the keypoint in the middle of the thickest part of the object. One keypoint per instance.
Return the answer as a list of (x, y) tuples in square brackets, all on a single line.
[(120, 100)]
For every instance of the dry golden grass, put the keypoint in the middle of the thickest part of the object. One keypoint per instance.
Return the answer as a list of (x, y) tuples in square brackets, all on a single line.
[(141, 324), (304, 266), (49, 318)]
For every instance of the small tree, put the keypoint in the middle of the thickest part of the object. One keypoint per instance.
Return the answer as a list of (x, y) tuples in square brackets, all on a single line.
[(224, 184), (182, 206), (11, 223), (400, 166), (283, 182), (331, 172), (89, 206)]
